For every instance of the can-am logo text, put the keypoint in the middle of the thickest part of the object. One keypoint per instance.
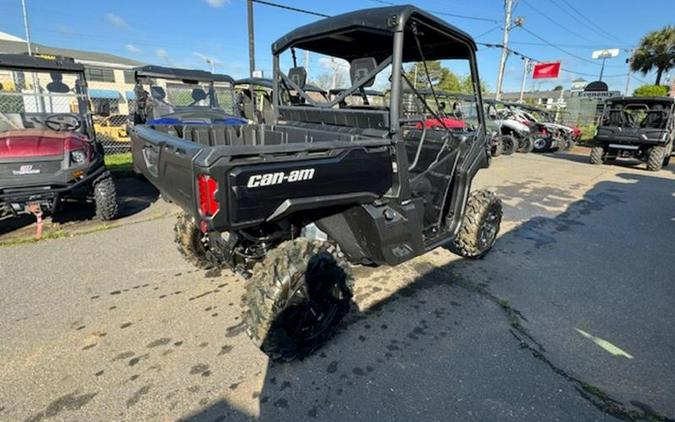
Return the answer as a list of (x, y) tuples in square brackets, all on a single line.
[(278, 178)]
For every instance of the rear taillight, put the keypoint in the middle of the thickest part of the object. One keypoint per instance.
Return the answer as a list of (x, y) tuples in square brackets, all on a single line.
[(543, 131), (207, 186)]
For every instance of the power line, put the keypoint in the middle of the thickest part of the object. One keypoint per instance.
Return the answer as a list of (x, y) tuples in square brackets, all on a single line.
[(585, 25), (554, 22), (488, 31), (550, 44), (593, 24), (578, 46), (291, 8)]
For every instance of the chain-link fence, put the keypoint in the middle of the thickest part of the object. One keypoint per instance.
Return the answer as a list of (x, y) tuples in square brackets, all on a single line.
[(111, 124)]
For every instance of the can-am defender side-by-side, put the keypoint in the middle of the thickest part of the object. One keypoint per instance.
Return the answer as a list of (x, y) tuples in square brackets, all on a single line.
[(636, 127), (292, 203), (48, 148)]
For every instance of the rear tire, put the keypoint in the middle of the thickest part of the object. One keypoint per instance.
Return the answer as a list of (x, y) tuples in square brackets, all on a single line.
[(191, 242), (105, 198), (296, 298), (509, 144), (480, 225), (656, 158), (596, 155)]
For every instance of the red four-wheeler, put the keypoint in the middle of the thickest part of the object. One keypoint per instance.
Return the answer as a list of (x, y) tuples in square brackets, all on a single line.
[(48, 148), (294, 202)]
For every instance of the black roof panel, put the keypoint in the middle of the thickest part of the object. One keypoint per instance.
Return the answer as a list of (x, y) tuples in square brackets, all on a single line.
[(153, 71), (368, 32), (53, 63)]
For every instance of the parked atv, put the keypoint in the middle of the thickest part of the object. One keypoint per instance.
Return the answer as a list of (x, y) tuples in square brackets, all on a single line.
[(292, 204), (515, 135), (48, 148), (636, 127)]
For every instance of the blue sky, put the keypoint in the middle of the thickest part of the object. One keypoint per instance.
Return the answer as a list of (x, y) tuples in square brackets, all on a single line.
[(183, 33)]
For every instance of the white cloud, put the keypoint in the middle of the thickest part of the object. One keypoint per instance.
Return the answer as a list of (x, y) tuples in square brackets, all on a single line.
[(117, 21), (161, 53), (217, 3), (133, 49)]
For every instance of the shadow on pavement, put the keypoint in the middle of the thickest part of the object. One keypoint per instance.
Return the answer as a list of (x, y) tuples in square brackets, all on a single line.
[(134, 195), (454, 345)]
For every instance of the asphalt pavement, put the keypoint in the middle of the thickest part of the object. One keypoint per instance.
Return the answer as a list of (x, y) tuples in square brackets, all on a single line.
[(568, 318)]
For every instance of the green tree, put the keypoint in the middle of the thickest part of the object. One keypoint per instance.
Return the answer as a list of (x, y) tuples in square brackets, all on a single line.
[(416, 73), (651, 91), (558, 88), (656, 51)]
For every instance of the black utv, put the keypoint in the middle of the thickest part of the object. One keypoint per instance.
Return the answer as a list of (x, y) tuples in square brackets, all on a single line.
[(48, 148), (637, 127), (292, 203)]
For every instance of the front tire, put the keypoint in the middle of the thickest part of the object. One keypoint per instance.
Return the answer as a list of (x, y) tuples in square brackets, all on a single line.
[(596, 155), (509, 144), (657, 156), (525, 146), (541, 145), (480, 225), (296, 298), (105, 198)]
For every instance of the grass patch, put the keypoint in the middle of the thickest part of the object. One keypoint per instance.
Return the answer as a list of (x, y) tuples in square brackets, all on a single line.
[(119, 164)]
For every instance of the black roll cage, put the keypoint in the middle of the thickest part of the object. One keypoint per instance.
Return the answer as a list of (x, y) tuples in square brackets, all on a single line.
[(399, 25)]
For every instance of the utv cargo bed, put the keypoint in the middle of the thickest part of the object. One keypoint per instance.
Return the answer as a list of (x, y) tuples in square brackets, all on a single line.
[(257, 167)]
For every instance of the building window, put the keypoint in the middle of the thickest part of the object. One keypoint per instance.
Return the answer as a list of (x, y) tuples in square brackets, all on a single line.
[(129, 77), (99, 74)]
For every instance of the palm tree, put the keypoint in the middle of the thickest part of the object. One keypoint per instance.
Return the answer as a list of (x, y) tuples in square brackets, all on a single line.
[(656, 50)]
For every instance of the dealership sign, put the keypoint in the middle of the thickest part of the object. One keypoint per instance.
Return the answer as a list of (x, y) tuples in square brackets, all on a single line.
[(546, 70), (605, 54)]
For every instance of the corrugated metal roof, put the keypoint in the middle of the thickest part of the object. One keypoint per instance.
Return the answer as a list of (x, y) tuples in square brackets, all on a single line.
[(16, 47)]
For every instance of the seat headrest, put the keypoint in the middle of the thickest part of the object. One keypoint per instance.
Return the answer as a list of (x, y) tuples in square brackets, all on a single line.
[(158, 92), (298, 75), (360, 68)]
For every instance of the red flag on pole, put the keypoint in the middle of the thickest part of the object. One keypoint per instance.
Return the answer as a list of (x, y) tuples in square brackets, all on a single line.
[(546, 70)]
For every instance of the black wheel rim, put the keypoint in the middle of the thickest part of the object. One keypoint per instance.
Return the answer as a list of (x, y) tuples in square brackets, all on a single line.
[(488, 230), (316, 300)]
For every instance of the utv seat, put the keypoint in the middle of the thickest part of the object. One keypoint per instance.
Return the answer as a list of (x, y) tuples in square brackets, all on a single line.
[(655, 119)]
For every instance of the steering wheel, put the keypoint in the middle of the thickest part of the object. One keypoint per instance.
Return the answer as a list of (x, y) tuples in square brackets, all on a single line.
[(63, 122)]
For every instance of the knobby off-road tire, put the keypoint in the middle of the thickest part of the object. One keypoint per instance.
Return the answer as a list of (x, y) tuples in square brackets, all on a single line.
[(480, 225), (525, 146), (296, 298), (596, 155), (541, 144), (496, 149), (191, 242), (509, 144), (105, 198), (657, 156)]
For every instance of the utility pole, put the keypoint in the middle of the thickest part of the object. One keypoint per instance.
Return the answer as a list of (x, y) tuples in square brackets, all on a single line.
[(629, 72), (602, 69), (251, 43), (508, 7), (25, 26), (526, 71), (307, 63)]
